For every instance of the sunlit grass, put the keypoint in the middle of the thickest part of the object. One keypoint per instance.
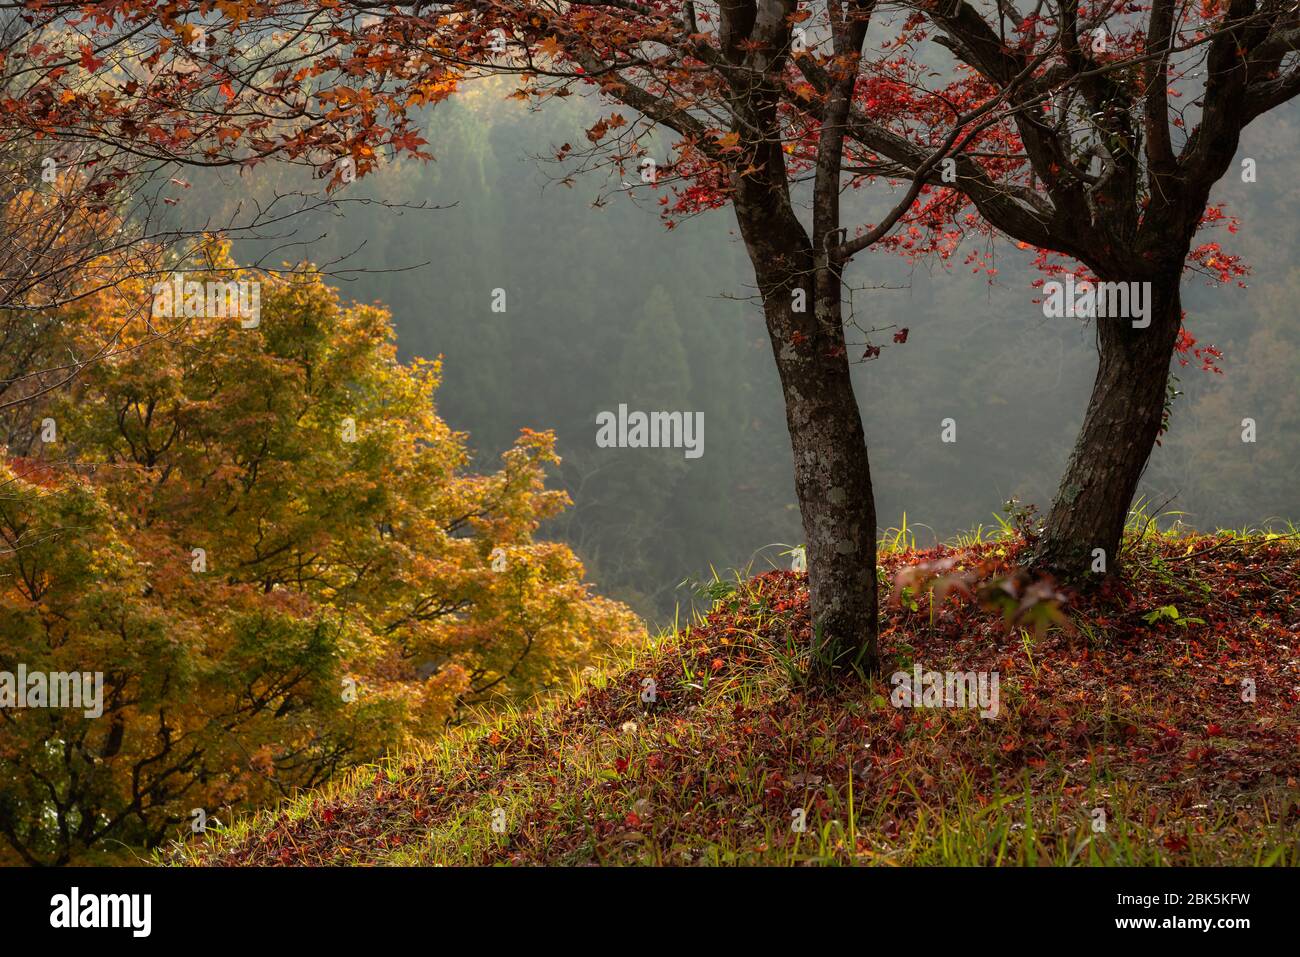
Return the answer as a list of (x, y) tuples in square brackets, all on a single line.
[(739, 762)]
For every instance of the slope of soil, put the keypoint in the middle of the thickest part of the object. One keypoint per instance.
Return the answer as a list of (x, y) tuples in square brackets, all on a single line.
[(1162, 728)]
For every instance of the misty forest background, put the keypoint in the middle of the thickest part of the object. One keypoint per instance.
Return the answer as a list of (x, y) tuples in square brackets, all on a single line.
[(606, 306)]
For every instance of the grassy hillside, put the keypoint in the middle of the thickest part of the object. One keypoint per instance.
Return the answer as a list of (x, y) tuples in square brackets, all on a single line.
[(1136, 710)]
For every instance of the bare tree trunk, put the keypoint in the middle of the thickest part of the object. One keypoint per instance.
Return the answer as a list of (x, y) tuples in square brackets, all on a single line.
[(801, 304), (801, 284), (1119, 431), (836, 502)]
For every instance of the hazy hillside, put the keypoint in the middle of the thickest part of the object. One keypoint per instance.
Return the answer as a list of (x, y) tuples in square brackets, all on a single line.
[(605, 306)]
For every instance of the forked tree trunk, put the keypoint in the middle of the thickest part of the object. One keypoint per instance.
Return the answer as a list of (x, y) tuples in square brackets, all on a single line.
[(831, 470), (1119, 431)]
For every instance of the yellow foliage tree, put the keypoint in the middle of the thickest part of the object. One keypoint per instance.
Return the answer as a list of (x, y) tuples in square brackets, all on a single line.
[(253, 522)]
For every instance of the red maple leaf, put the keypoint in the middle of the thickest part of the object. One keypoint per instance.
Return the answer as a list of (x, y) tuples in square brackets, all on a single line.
[(89, 61)]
